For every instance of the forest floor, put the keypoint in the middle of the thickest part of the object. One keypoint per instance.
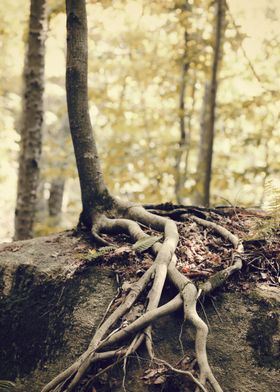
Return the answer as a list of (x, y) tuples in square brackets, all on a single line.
[(201, 251)]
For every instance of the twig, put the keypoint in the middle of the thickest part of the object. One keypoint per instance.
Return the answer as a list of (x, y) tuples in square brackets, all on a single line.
[(184, 372), (180, 338), (205, 315), (216, 310)]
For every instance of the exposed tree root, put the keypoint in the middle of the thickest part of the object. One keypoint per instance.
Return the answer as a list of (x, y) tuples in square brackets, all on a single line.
[(105, 343), (184, 372)]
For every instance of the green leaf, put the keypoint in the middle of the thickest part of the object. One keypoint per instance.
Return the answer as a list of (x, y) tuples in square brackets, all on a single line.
[(95, 253), (146, 243)]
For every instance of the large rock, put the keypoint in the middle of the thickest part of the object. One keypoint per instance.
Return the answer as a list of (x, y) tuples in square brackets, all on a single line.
[(48, 315)]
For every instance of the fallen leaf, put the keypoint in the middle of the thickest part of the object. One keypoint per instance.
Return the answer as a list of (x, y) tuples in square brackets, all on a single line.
[(160, 380)]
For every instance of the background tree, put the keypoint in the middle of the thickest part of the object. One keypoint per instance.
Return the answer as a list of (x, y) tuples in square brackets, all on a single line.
[(57, 170), (57, 183), (31, 123), (204, 164), (183, 145)]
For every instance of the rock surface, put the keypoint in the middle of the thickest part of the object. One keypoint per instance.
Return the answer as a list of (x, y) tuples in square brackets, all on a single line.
[(49, 312)]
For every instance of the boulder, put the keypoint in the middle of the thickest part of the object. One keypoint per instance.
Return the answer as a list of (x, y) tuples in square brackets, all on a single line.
[(51, 304)]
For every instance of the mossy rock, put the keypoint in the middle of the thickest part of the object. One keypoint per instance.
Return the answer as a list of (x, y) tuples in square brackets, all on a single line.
[(48, 316)]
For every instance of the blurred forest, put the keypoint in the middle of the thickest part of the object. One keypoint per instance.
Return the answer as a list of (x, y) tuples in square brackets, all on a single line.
[(150, 83)]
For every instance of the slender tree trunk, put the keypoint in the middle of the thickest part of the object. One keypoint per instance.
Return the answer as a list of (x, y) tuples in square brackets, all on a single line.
[(93, 190), (41, 205), (31, 123), (56, 196), (59, 165), (190, 117), (202, 188), (204, 165), (183, 132), (180, 172)]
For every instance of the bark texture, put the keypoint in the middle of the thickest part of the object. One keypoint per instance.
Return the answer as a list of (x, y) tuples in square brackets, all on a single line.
[(57, 184), (204, 164), (184, 136), (31, 123), (93, 189), (56, 196)]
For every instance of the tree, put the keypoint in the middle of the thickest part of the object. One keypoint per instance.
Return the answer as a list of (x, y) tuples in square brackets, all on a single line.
[(58, 166), (31, 123), (184, 133), (103, 213), (204, 164), (56, 196)]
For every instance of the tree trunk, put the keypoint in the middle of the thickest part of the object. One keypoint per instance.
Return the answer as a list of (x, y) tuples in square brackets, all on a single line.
[(93, 190), (183, 143), (58, 182), (31, 123), (41, 205), (56, 196), (204, 165), (202, 189)]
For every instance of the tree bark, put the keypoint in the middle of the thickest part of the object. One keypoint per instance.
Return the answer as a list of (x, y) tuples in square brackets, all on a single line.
[(204, 164), (57, 183), (183, 142), (93, 190), (56, 196), (31, 123)]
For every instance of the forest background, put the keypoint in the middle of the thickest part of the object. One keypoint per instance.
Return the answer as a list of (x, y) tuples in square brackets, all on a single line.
[(138, 51)]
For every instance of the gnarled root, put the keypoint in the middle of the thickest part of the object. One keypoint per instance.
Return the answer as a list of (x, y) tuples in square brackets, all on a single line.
[(129, 221)]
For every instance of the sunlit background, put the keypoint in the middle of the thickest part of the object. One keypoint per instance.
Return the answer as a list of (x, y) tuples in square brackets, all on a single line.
[(135, 55)]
